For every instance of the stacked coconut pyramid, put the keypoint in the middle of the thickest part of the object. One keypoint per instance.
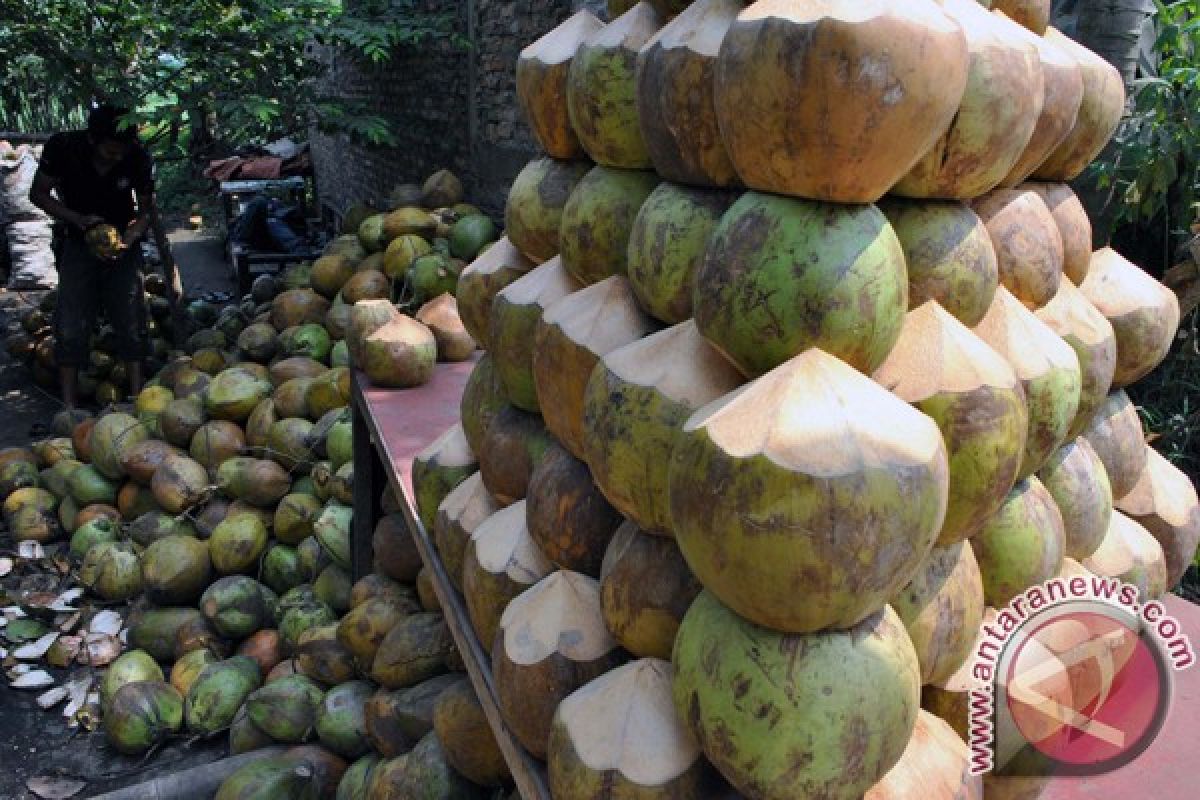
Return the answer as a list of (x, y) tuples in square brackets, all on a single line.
[(799, 363)]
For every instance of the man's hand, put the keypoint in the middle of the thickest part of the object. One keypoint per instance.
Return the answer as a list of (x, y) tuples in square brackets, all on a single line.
[(86, 221)]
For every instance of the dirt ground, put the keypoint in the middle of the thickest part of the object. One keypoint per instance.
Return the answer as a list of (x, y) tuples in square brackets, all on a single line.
[(35, 742)]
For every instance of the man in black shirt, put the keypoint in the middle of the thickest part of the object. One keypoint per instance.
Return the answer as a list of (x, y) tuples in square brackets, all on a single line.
[(87, 178)]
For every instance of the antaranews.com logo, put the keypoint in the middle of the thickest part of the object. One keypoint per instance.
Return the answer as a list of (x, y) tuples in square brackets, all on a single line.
[(1073, 677)]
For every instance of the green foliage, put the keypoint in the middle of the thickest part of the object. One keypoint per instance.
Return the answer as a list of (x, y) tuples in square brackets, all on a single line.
[(1169, 401), (1151, 171), (182, 63)]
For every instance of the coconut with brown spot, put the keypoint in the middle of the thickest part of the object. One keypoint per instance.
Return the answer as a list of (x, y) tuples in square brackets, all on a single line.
[(296, 307), (542, 70), (179, 483), (1022, 545), (436, 470), (514, 444), (974, 397), (414, 650), (1115, 433), (936, 765), (1076, 479), (366, 317), (1029, 248), (466, 736), (396, 553), (1073, 226), (441, 316), (400, 354), (861, 471), (363, 628), (1131, 554), (479, 283), (534, 211), (550, 642), (597, 221), (463, 510), (1163, 501)]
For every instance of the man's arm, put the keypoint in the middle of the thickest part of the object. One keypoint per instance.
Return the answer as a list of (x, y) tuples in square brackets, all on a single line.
[(40, 195), (137, 228)]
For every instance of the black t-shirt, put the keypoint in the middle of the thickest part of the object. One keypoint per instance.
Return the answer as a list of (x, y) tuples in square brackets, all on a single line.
[(67, 159)]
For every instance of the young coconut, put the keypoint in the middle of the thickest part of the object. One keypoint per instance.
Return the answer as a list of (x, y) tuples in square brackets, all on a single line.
[(1144, 313), (320, 656), (550, 642), (1022, 545), (463, 510), (1075, 477), (782, 276), (501, 562), (763, 744), (1047, 368), (142, 715), (534, 212), (602, 89), (479, 283), (1163, 501), (1115, 433), (949, 256), (423, 772), (414, 650), (783, 75), (645, 589), (142, 460), (111, 437), (1029, 248), (942, 609), (396, 553), (134, 666), (112, 571), (598, 219), (515, 443), (482, 397), (996, 117), (285, 710), (397, 720), (215, 442), (621, 734), (440, 315), (466, 736), (1132, 555), (400, 354), (175, 570), (936, 764), (516, 312), (567, 516), (973, 395), (367, 317), (813, 431), (1073, 226), (436, 470), (675, 102), (341, 719), (1100, 112), (218, 693), (542, 71)]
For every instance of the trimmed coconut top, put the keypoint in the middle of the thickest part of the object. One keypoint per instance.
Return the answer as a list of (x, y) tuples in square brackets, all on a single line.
[(402, 327), (558, 615), (1070, 568), (1070, 313), (1051, 55), (503, 546), (1126, 546), (1162, 490), (625, 720), (499, 257), (559, 45), (625, 538), (601, 317), (1030, 345), (1117, 287), (1088, 61), (818, 415), (541, 286), (451, 449), (1055, 195), (441, 312), (701, 27), (985, 31), (678, 363), (630, 31), (936, 763), (860, 11), (937, 354), (468, 505)]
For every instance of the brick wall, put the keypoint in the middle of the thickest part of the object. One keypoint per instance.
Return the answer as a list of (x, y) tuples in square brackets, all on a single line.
[(447, 107)]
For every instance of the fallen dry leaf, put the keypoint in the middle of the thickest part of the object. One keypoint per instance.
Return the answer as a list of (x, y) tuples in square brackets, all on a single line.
[(106, 622), (78, 690), (52, 698), (70, 623), (6, 566), (35, 650), (65, 600), (37, 679), (49, 787), (31, 550)]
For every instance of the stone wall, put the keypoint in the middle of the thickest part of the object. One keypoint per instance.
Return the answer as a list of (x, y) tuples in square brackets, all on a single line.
[(447, 106)]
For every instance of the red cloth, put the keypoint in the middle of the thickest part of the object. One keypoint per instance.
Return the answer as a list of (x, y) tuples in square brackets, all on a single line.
[(259, 168)]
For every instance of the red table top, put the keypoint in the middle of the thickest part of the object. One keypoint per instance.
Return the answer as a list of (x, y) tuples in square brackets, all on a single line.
[(410, 420)]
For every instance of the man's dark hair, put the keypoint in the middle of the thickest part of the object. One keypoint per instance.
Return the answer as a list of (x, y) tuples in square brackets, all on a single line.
[(104, 125)]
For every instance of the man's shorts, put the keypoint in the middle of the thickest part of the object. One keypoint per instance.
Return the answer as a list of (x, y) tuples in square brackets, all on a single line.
[(85, 285)]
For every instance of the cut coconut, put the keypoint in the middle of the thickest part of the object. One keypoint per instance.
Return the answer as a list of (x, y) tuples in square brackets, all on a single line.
[(1047, 368), (645, 589), (602, 89), (997, 114), (437, 469), (675, 96), (1073, 317), (1076, 479), (572, 335), (463, 510), (1163, 501), (620, 734), (784, 76), (401, 354), (1115, 433), (753, 698), (1029, 248), (515, 315), (973, 395), (1061, 96), (366, 318), (1131, 554), (667, 246), (533, 214), (812, 475), (1073, 226), (1033, 15), (598, 219), (949, 256), (1144, 313), (542, 70), (936, 765), (551, 641), (1100, 112), (567, 516), (1022, 545), (514, 444), (478, 285), (636, 403), (501, 562), (782, 276), (440, 315), (942, 608)]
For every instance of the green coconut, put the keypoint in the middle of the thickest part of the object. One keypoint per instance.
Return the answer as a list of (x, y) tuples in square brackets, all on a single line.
[(371, 233), (294, 517), (598, 219), (356, 781), (175, 570), (88, 485), (470, 235), (270, 778), (782, 275), (760, 736), (285, 709), (259, 482), (233, 395), (363, 629), (341, 719), (1075, 477), (431, 275), (237, 544), (142, 715), (112, 572), (423, 772), (446, 463), (332, 529), (534, 213), (133, 666), (181, 419), (309, 340), (414, 650), (333, 587), (219, 692), (339, 444), (92, 533), (282, 568), (1022, 545), (482, 397), (295, 621), (236, 606), (111, 436), (320, 656), (55, 479), (244, 735), (288, 442), (329, 392), (479, 284), (339, 356), (153, 630), (185, 671)]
